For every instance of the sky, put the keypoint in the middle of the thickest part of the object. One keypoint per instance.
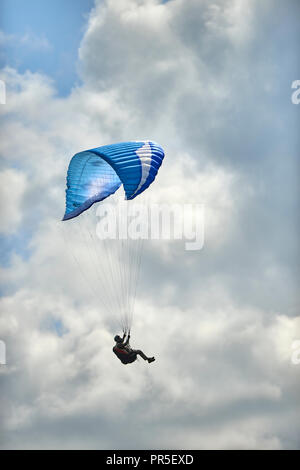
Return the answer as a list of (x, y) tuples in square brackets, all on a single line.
[(211, 82), (43, 36)]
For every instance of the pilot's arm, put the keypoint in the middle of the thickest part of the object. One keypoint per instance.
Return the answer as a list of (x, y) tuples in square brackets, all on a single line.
[(127, 340)]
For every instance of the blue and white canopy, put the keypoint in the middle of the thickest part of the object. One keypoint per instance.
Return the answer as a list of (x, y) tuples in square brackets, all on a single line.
[(95, 174)]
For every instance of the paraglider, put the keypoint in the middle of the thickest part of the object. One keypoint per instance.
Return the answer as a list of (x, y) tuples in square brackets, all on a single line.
[(93, 176), (125, 353)]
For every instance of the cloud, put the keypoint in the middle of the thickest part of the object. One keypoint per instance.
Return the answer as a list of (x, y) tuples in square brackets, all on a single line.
[(35, 42), (28, 40), (13, 186), (194, 77)]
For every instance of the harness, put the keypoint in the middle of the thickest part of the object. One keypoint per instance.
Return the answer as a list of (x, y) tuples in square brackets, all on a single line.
[(125, 356)]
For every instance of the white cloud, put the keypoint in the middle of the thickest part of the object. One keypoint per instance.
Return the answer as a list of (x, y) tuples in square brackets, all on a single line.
[(12, 189), (29, 40)]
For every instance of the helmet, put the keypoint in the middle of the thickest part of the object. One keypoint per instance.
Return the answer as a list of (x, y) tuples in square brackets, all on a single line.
[(118, 339)]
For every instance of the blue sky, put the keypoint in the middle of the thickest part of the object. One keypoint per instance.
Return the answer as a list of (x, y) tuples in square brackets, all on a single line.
[(53, 31), (44, 37)]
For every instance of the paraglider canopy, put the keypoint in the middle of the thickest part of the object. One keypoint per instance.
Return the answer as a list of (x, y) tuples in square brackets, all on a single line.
[(95, 174)]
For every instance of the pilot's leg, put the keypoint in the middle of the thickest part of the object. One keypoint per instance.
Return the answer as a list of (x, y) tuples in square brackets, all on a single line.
[(140, 353)]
